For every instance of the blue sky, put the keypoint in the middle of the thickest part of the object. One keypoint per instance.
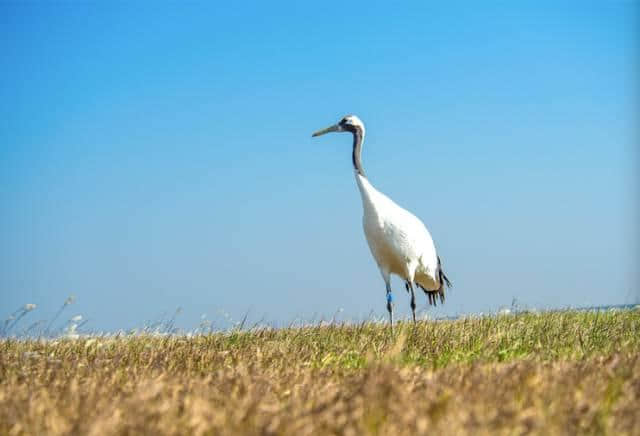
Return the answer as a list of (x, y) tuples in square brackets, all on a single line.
[(158, 155)]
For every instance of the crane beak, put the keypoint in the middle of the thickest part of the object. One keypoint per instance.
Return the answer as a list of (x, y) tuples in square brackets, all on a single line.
[(334, 128)]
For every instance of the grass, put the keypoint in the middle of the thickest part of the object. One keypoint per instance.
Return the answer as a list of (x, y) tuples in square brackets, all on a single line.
[(549, 373)]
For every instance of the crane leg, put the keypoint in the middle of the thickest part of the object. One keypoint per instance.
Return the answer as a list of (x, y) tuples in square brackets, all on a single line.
[(413, 301), (390, 304)]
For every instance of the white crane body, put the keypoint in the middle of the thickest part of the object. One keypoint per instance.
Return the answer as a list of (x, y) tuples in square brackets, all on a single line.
[(399, 242)]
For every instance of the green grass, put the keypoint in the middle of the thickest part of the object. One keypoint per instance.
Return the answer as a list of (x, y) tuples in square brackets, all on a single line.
[(556, 372)]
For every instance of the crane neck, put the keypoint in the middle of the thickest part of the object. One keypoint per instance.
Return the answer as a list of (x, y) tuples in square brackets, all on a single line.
[(358, 139)]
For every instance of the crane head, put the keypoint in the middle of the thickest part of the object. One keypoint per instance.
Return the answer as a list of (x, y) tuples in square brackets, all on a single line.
[(349, 123)]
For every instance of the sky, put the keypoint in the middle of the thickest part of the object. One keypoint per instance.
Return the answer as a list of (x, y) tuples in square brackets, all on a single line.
[(156, 155)]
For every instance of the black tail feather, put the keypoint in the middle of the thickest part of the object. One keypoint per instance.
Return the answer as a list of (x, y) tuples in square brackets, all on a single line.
[(433, 295), (442, 278)]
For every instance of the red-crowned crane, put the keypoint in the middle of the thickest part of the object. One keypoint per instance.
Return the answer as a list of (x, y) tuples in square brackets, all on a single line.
[(399, 242)]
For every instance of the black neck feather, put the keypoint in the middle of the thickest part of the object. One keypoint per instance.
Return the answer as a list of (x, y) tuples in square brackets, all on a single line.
[(357, 150)]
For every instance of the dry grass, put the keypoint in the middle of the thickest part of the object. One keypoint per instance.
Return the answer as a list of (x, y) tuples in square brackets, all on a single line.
[(551, 373)]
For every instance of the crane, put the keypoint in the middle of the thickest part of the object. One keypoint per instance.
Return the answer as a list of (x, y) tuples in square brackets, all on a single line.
[(399, 242)]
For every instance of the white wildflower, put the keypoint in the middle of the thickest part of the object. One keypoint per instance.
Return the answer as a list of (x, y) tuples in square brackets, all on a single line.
[(29, 307)]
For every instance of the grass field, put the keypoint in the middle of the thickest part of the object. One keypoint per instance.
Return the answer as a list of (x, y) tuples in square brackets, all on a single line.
[(549, 373)]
